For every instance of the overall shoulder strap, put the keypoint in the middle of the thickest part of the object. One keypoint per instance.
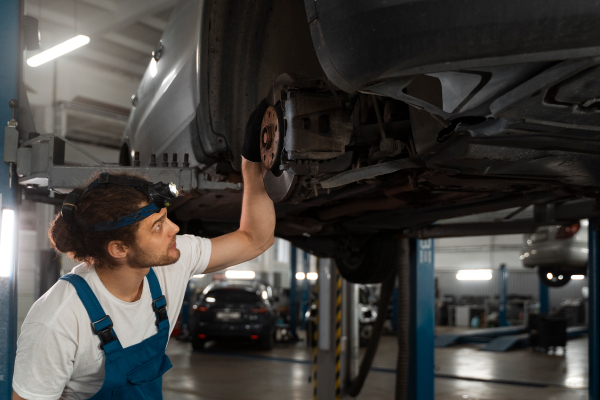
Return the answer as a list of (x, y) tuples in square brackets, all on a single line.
[(101, 323), (159, 303)]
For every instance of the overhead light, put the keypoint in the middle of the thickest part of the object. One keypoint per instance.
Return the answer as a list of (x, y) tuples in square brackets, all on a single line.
[(240, 274), (584, 250), (198, 276), (210, 299), (577, 277), (474, 275), (153, 69), (58, 50), (7, 240), (265, 295), (300, 276), (549, 276), (312, 276)]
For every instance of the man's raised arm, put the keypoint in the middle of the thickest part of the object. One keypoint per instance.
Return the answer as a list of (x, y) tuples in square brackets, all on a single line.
[(257, 223)]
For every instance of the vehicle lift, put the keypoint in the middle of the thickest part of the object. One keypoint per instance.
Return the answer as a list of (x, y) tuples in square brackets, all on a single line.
[(39, 160)]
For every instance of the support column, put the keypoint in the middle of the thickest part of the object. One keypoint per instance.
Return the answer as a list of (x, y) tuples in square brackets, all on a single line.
[(327, 376), (422, 326), (9, 83), (544, 299), (305, 289), (293, 293), (502, 295), (594, 303)]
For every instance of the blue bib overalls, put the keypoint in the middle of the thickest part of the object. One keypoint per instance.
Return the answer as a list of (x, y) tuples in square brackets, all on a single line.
[(136, 371)]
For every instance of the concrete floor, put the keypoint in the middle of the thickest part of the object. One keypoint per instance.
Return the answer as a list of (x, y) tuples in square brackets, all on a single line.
[(227, 371)]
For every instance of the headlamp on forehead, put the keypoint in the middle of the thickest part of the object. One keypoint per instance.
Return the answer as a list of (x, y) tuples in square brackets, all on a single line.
[(159, 194)]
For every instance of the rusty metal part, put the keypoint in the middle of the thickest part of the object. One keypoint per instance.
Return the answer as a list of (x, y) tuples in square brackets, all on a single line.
[(271, 137)]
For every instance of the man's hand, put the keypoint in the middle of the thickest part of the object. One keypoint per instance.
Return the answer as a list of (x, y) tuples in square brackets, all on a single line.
[(257, 223), (251, 149)]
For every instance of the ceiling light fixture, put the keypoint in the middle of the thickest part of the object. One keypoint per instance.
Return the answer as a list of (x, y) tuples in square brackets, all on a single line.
[(58, 50), (474, 275), (240, 274), (312, 276)]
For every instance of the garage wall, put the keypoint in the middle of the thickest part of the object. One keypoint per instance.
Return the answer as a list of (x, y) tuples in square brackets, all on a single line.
[(524, 283), (74, 79), (478, 252)]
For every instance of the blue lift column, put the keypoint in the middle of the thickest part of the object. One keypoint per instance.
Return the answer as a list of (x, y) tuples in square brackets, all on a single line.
[(502, 295), (9, 84), (594, 307), (305, 289), (544, 299), (422, 324), (293, 293)]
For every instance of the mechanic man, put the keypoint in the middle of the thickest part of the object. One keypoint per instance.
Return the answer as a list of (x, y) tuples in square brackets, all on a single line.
[(101, 331)]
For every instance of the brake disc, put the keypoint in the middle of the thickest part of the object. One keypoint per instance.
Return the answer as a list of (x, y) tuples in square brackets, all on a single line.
[(279, 184), (271, 140)]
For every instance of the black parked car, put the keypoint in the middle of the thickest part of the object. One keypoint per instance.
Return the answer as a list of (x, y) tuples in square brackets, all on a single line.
[(233, 309)]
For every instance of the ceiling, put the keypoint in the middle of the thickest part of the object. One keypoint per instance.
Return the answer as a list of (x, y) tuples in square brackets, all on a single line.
[(123, 33)]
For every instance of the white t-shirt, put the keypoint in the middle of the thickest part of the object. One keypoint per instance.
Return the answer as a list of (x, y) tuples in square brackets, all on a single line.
[(58, 356)]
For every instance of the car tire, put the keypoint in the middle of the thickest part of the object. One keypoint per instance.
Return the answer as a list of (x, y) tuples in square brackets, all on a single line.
[(554, 281), (267, 342), (373, 263), (198, 344)]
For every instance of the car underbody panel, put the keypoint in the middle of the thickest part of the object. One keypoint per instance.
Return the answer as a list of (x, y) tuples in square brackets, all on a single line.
[(386, 117)]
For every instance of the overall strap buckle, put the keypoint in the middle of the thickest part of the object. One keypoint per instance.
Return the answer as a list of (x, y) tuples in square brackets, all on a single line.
[(105, 334), (160, 310)]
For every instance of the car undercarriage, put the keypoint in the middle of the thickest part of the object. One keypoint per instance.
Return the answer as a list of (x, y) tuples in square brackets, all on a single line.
[(373, 129)]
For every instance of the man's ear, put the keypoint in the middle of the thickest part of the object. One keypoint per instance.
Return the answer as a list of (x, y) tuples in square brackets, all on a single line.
[(117, 250)]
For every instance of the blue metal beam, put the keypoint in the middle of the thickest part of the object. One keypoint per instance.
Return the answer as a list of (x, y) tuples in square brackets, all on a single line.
[(544, 299), (9, 83), (293, 293), (502, 295), (305, 289), (421, 372), (594, 298)]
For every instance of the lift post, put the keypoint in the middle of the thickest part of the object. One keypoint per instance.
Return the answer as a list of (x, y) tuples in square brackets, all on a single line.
[(327, 376), (422, 324), (502, 295), (9, 84), (593, 299), (544, 299), (293, 293), (305, 290)]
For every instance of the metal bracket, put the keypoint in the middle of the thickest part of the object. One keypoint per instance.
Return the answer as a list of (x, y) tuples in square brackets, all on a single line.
[(40, 162)]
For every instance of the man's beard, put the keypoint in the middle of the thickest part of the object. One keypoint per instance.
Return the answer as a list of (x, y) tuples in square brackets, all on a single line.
[(142, 259)]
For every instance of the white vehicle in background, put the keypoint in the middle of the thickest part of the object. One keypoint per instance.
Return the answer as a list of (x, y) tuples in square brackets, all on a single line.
[(560, 252)]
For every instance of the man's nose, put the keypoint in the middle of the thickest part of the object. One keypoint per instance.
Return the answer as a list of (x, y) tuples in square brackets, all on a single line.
[(174, 227)]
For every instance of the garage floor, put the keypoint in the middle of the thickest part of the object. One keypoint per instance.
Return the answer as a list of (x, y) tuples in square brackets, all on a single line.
[(224, 372)]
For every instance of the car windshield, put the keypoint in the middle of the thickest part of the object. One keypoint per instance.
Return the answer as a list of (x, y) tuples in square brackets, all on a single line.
[(231, 296)]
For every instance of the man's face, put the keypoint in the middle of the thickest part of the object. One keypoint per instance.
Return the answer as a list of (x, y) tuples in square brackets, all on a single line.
[(155, 245)]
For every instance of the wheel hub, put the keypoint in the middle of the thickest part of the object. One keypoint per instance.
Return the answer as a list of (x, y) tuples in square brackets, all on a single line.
[(271, 140)]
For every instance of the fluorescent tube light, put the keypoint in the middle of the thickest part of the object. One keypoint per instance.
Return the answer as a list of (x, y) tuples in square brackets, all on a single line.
[(240, 274), (198, 276), (312, 276), (58, 50), (577, 277), (153, 68), (474, 275), (300, 276), (7, 240)]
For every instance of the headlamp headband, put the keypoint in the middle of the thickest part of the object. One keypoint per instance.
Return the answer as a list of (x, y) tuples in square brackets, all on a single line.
[(159, 194)]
